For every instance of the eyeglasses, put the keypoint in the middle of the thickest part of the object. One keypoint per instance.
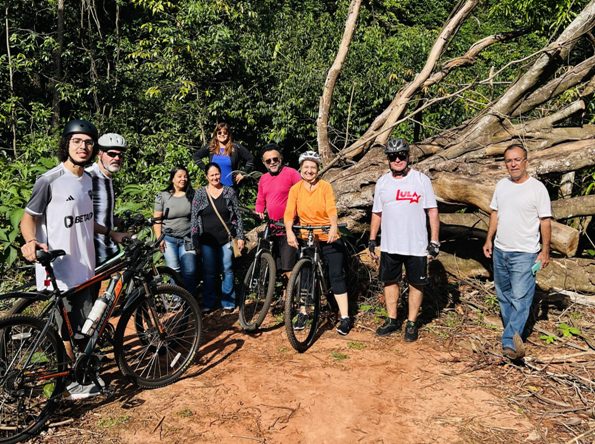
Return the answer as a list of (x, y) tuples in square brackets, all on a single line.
[(222, 133), (114, 154), (89, 143), (394, 156), (272, 160)]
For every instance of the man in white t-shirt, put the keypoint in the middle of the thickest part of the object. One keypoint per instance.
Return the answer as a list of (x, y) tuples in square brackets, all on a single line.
[(521, 211), (59, 215), (403, 198)]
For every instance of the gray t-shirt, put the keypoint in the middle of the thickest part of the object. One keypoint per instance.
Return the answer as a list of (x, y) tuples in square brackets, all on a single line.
[(178, 218)]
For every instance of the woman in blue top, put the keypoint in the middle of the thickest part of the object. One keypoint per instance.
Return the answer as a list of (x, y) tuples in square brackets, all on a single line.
[(223, 151)]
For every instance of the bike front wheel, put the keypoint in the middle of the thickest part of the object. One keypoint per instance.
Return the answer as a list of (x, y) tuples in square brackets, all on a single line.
[(302, 306), (32, 371), (257, 291), (158, 351)]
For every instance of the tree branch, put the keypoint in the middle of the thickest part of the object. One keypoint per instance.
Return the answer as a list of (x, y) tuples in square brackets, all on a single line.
[(331, 79), (399, 103)]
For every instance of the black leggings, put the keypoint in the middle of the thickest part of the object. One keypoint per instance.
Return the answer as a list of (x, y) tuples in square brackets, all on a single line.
[(333, 256)]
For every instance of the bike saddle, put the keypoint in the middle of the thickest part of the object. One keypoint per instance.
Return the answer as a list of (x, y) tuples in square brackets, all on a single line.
[(45, 257)]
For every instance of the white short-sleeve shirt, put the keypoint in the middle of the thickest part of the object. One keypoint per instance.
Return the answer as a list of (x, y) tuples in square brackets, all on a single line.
[(62, 203), (402, 202), (520, 207)]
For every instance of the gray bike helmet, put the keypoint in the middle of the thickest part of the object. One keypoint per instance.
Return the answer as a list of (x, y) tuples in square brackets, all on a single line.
[(112, 140), (78, 126), (396, 146)]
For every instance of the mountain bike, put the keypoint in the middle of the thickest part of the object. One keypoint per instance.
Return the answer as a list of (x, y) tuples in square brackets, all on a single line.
[(156, 339), (28, 303), (307, 292), (258, 286)]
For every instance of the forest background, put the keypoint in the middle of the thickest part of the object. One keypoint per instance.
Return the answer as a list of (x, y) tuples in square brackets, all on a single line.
[(164, 73)]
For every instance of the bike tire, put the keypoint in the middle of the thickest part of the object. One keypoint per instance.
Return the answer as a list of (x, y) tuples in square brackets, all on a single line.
[(167, 275), (152, 359), (303, 295), (257, 290), (28, 391), (37, 307)]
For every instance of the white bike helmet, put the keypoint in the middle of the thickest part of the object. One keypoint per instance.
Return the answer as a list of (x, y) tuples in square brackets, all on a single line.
[(310, 155), (112, 140)]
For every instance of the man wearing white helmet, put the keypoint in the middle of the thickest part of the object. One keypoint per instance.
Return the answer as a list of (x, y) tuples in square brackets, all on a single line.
[(109, 161), (404, 202)]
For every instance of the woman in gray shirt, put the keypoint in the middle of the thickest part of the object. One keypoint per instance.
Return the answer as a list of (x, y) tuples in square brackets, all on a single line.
[(177, 246)]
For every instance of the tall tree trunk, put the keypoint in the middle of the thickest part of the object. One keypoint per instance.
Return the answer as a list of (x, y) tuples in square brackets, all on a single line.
[(331, 79), (13, 125), (58, 64)]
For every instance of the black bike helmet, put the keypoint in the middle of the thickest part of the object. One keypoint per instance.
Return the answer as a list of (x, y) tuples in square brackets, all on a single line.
[(396, 146), (82, 127)]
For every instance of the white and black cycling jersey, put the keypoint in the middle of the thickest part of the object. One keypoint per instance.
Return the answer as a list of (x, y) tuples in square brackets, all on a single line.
[(103, 208), (62, 204)]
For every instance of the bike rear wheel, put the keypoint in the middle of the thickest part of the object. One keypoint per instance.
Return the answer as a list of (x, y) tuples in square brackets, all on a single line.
[(257, 291), (302, 306), (32, 371), (158, 351), (37, 307)]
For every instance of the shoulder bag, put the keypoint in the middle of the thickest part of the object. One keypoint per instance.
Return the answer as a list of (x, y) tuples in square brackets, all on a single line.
[(234, 242)]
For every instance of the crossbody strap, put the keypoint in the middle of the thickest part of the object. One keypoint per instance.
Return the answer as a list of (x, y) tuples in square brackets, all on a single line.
[(217, 213)]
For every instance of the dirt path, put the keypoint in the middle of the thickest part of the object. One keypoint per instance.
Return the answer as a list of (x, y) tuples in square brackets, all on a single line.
[(357, 388)]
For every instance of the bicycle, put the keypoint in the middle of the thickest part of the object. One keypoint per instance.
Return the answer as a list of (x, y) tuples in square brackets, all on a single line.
[(28, 303), (307, 291), (156, 339), (258, 286)]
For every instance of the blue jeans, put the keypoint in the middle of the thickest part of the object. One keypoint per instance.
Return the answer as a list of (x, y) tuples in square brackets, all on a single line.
[(215, 260), (515, 287), (181, 260)]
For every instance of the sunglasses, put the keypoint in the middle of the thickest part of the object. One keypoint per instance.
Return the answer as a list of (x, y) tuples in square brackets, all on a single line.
[(222, 133), (114, 154), (394, 156), (272, 160)]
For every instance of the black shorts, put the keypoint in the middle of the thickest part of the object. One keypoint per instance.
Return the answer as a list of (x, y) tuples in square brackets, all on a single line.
[(284, 254), (391, 268)]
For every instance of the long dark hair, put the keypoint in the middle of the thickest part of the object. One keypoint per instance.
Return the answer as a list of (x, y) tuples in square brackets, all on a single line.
[(214, 143), (170, 186)]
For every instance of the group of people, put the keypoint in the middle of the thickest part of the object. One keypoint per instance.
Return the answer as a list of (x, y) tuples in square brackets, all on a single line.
[(71, 208)]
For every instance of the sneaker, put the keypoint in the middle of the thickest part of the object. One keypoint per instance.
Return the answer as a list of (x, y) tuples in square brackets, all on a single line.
[(76, 391), (300, 322), (344, 326), (519, 346), (411, 333), (390, 326)]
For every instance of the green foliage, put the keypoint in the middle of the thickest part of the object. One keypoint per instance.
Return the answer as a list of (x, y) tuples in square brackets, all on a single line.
[(568, 331), (548, 339)]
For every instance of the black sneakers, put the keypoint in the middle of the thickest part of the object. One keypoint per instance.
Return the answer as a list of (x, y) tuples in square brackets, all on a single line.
[(300, 322), (344, 326), (389, 327), (411, 333)]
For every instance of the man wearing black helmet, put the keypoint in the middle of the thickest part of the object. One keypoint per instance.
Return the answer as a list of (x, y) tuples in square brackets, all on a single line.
[(109, 161), (402, 198), (59, 215)]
